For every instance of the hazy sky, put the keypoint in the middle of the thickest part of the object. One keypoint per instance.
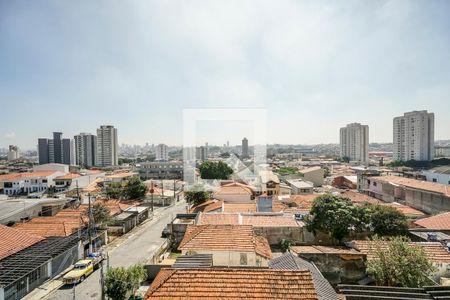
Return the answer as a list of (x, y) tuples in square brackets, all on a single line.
[(315, 66)]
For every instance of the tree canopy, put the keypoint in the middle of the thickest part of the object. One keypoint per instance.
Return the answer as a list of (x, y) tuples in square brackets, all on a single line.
[(100, 213), (123, 282), (338, 217), (215, 170), (400, 264), (196, 197), (133, 189)]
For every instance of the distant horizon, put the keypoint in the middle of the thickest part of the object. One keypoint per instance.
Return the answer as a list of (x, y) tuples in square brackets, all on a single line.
[(315, 66)]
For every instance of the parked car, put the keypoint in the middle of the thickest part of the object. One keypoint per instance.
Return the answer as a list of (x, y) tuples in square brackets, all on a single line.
[(165, 233), (82, 269)]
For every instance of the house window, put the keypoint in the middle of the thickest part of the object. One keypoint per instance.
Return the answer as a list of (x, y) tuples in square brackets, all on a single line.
[(243, 259), (434, 180), (374, 183)]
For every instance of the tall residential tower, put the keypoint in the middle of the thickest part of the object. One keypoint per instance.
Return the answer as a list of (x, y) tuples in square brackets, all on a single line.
[(414, 136), (86, 149), (354, 142), (107, 146)]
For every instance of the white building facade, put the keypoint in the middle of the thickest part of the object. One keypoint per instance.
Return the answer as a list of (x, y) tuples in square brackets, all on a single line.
[(86, 149), (13, 153), (107, 146), (354, 142), (414, 136), (162, 153)]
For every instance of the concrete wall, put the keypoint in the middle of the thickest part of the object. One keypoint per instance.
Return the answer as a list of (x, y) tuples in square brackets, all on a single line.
[(437, 177), (428, 202), (232, 258), (316, 177), (298, 235), (338, 268)]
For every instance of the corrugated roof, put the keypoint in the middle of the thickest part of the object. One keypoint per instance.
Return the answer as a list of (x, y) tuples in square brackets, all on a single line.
[(289, 261), (232, 284)]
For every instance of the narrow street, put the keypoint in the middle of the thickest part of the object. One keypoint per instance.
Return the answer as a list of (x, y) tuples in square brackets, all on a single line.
[(137, 247)]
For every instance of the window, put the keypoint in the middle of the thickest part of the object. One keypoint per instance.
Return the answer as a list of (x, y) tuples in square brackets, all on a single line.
[(434, 180), (374, 183), (243, 259)]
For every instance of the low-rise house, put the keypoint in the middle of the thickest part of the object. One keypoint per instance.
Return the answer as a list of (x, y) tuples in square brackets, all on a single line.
[(440, 222), (234, 192), (314, 175), (426, 196), (300, 187), (28, 182), (65, 181), (273, 226), (28, 260), (438, 174), (289, 261), (337, 264), (229, 283), (230, 245), (161, 170), (435, 251), (345, 182), (269, 183)]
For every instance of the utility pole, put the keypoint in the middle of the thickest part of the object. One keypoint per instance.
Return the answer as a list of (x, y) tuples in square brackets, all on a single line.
[(74, 297), (152, 190), (102, 279), (90, 224)]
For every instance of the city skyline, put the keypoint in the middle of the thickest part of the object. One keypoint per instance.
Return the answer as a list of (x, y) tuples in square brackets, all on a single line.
[(315, 66)]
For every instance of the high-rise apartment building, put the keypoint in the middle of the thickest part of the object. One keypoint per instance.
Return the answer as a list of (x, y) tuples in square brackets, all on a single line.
[(13, 153), (244, 147), (86, 149), (354, 142), (56, 150), (162, 153), (107, 146), (414, 136)]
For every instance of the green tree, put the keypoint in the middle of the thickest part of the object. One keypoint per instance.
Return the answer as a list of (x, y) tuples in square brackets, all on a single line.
[(122, 283), (134, 189), (114, 190), (215, 170), (196, 197), (334, 215), (386, 220), (100, 213), (285, 245), (400, 264)]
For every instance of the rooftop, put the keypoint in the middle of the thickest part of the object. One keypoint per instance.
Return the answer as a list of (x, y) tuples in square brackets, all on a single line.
[(434, 250), (256, 220), (414, 184), (232, 284), (308, 170), (224, 237), (13, 240), (69, 176), (17, 176), (323, 250), (437, 222), (234, 188), (289, 261)]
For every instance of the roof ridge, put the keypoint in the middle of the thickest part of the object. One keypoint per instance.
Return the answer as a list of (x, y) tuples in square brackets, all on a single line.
[(161, 282), (194, 233)]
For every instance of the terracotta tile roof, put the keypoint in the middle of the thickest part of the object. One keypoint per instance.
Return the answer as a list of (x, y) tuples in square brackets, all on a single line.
[(207, 206), (231, 207), (17, 176), (69, 176), (415, 184), (234, 188), (323, 250), (116, 206), (269, 221), (218, 219), (299, 203), (223, 237), (437, 222), (247, 219), (358, 198), (51, 227), (14, 240), (232, 284), (434, 250)]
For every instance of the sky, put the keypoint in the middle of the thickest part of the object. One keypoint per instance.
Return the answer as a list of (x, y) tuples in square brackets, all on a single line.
[(315, 66)]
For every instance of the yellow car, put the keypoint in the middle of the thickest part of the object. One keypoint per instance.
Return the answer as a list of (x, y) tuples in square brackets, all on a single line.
[(82, 269)]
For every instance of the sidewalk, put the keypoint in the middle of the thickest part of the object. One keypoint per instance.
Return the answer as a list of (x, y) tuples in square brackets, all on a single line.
[(48, 287)]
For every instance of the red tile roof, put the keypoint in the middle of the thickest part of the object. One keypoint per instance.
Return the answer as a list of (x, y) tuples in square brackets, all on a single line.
[(415, 184), (231, 207), (218, 219), (434, 250), (232, 284), (234, 188), (269, 221), (14, 240), (17, 176), (437, 222), (224, 237), (207, 206), (69, 176)]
